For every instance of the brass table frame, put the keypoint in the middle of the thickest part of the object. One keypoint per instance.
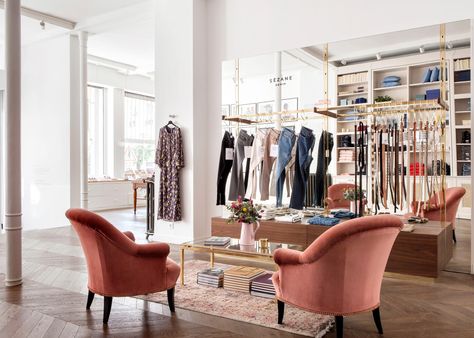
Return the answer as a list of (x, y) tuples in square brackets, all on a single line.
[(212, 250)]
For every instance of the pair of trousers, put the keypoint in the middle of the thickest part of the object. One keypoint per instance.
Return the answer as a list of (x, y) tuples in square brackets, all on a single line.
[(326, 143), (224, 167), (237, 184), (247, 166), (256, 159), (304, 150), (270, 140), (285, 145)]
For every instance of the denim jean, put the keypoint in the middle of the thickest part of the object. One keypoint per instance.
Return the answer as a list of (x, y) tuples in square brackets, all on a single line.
[(256, 161), (270, 139), (285, 145), (326, 143), (304, 150), (224, 167), (237, 184)]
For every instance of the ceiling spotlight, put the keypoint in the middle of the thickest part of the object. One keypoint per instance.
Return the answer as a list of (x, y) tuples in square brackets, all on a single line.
[(43, 25), (450, 45), (343, 62), (422, 49), (378, 56)]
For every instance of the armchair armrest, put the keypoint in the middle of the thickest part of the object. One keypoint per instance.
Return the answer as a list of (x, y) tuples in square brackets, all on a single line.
[(130, 235), (153, 250), (287, 257)]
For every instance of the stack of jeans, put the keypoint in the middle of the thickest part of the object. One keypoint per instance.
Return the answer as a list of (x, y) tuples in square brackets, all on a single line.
[(304, 150)]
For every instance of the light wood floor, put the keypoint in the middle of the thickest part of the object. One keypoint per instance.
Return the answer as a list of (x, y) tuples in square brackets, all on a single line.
[(51, 302)]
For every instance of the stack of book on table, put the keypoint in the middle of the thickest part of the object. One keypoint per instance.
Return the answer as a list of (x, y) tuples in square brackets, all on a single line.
[(238, 278), (211, 277), (217, 241), (262, 286)]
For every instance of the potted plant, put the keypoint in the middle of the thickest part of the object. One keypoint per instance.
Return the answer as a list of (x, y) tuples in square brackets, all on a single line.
[(248, 214), (352, 195)]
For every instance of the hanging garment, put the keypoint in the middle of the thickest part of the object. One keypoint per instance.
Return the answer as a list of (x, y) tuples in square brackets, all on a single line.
[(303, 161), (256, 159), (269, 155), (247, 166), (170, 159), (225, 164), (237, 187), (285, 146), (326, 143), (290, 169)]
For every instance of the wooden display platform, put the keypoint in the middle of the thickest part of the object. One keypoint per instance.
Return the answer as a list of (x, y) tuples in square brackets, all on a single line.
[(423, 252)]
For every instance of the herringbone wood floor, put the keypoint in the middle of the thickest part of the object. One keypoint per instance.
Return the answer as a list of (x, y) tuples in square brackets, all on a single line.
[(51, 302)]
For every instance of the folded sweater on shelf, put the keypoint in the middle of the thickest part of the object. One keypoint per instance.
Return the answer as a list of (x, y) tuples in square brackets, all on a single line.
[(322, 220), (289, 218)]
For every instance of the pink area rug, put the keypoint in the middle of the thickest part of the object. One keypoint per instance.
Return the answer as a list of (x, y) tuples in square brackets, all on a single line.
[(241, 306)]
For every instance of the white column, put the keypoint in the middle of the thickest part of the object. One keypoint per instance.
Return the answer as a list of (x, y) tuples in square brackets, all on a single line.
[(472, 148), (278, 90), (13, 142), (84, 118)]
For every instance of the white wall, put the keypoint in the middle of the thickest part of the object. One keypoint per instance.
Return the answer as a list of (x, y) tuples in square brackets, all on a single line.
[(46, 132)]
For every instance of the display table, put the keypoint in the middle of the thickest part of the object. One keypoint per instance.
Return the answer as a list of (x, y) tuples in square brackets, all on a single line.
[(423, 252), (233, 249)]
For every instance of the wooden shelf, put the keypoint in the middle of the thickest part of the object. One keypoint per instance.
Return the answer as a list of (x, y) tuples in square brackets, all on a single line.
[(462, 70), (463, 144), (463, 112), (462, 127), (435, 83), (462, 96), (352, 94), (464, 161), (390, 88), (352, 83), (461, 82)]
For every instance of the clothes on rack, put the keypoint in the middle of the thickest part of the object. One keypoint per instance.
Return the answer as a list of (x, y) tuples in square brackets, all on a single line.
[(290, 169), (170, 159), (247, 166), (285, 146), (269, 155), (256, 160), (304, 158), (225, 165), (237, 184), (326, 143)]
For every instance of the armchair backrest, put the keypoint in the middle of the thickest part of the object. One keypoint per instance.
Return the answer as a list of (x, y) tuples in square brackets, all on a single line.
[(336, 194), (109, 253), (454, 196), (349, 260)]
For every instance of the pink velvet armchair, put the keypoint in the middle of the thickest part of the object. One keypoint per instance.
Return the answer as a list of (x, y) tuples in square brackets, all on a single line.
[(432, 210), (341, 272), (117, 266), (336, 195)]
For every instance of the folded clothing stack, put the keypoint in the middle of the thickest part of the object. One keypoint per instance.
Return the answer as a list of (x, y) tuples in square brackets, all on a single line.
[(391, 81), (346, 155), (268, 213), (431, 75), (289, 218), (344, 214), (322, 220)]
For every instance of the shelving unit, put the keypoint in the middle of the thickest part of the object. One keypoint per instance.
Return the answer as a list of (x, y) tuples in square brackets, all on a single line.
[(461, 115)]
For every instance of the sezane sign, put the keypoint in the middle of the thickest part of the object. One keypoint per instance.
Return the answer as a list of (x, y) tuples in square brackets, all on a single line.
[(280, 81)]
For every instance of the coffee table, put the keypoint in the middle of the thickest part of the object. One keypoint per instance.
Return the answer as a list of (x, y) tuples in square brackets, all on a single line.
[(233, 249)]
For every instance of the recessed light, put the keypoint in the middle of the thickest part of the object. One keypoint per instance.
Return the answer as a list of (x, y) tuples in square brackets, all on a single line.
[(422, 49), (378, 56)]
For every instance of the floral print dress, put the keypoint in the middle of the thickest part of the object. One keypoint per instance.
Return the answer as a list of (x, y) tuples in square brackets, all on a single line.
[(170, 159)]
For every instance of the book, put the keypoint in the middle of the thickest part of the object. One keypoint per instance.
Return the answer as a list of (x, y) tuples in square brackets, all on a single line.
[(262, 294), (217, 241), (238, 278)]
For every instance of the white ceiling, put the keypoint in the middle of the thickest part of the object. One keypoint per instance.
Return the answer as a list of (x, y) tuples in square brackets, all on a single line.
[(120, 30), (394, 43)]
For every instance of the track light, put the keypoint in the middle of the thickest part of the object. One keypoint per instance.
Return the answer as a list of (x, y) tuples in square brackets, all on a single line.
[(450, 45), (422, 49), (378, 56), (42, 24), (343, 62)]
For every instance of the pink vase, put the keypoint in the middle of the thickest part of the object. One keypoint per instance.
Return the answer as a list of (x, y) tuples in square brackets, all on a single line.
[(247, 233)]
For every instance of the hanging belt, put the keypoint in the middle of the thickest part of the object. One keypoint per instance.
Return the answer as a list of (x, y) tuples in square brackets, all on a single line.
[(384, 170), (414, 162), (361, 165), (396, 172), (355, 165), (404, 189)]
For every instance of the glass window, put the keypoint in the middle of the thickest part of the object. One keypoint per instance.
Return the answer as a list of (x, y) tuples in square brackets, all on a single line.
[(139, 134), (96, 144)]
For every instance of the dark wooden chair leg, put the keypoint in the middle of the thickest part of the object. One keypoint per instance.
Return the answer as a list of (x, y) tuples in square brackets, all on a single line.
[(281, 311), (90, 298), (339, 326), (454, 236), (107, 308), (378, 322), (171, 299)]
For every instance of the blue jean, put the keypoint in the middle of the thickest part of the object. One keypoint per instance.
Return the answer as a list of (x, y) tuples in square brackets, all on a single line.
[(285, 144), (304, 149)]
